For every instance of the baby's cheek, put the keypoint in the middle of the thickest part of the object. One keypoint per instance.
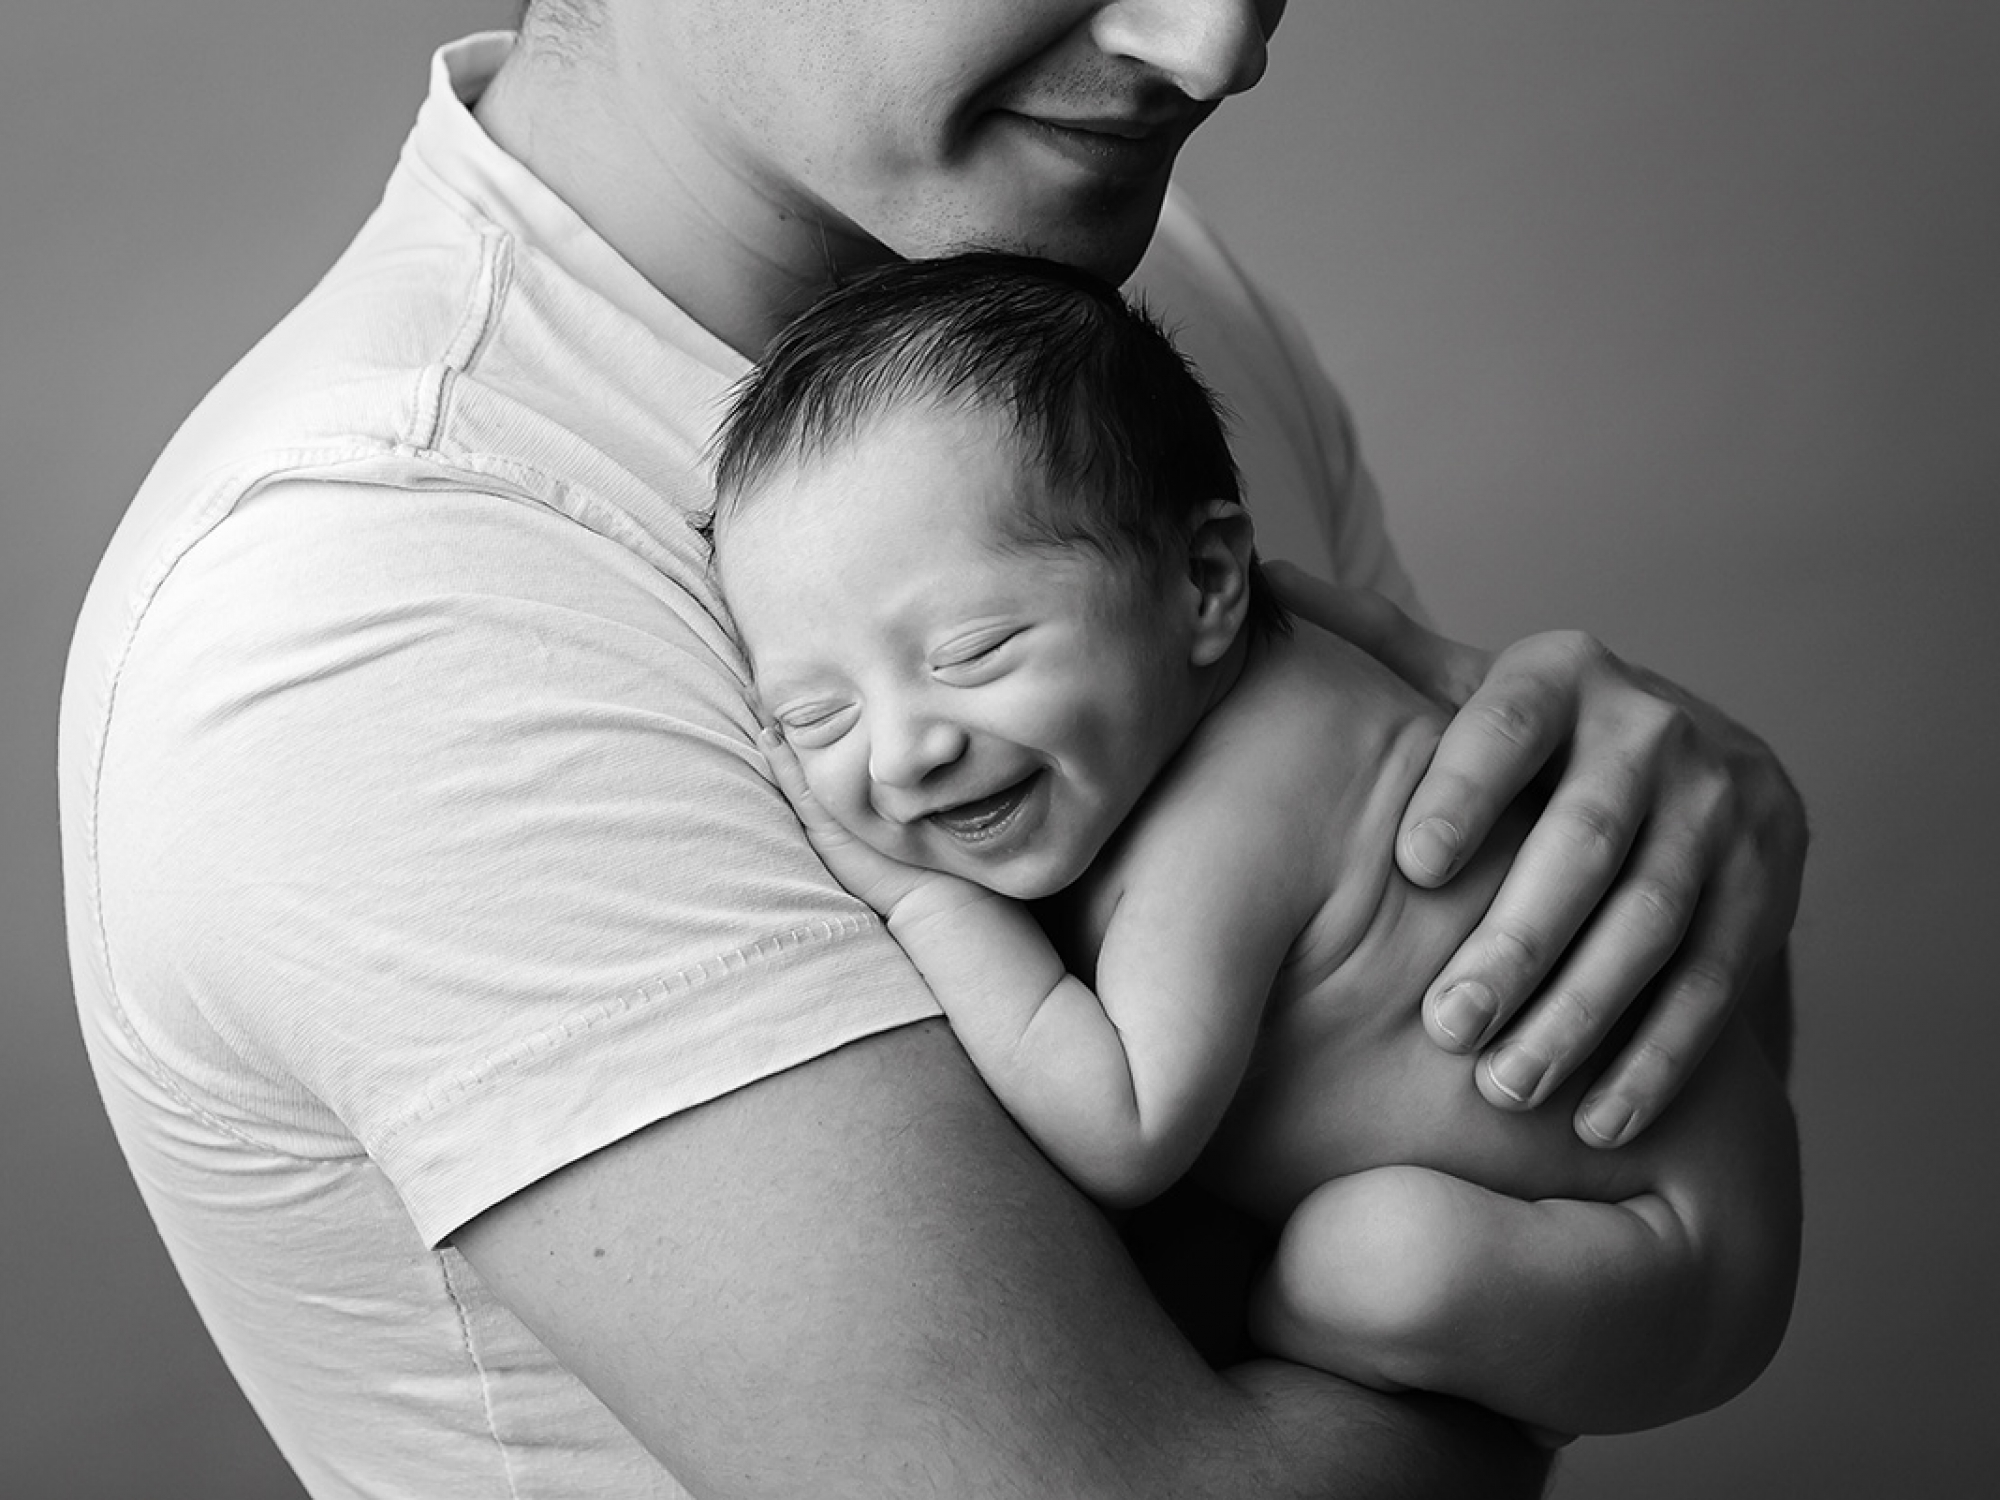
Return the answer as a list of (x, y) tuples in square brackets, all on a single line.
[(843, 791)]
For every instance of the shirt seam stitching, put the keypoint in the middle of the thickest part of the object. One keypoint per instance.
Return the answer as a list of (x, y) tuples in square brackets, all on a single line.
[(274, 468), (464, 1316), (468, 340), (712, 969)]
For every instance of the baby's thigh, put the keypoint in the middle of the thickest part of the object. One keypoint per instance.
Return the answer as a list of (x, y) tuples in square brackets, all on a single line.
[(1420, 1276), (1388, 1254), (1370, 1277)]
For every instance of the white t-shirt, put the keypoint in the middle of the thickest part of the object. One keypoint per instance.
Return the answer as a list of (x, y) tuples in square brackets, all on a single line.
[(416, 842)]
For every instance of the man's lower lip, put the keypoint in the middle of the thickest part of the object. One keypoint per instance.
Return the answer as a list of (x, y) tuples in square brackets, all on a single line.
[(1103, 153), (989, 817)]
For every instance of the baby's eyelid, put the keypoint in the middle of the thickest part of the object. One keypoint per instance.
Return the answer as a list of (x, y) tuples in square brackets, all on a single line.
[(965, 652), (803, 717)]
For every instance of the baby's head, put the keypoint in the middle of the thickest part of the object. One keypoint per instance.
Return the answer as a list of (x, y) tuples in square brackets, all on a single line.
[(980, 530)]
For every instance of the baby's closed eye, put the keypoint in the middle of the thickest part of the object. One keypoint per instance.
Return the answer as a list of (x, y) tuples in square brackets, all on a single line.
[(814, 725), (975, 658)]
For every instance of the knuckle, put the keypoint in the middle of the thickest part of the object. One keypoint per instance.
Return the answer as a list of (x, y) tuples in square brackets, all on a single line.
[(1685, 865), (1706, 979), (1665, 722), (1652, 1061), (1578, 649), (1652, 733), (1714, 794), (1516, 948), (1572, 1013), (1506, 719), (1595, 830), (1659, 908)]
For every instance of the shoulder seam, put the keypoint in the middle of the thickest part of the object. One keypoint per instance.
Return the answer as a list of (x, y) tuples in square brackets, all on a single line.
[(468, 341)]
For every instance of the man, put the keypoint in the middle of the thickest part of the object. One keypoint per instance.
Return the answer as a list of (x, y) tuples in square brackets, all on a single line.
[(525, 1109)]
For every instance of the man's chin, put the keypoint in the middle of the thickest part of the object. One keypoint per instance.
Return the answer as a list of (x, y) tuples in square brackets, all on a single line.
[(1114, 267), (1110, 248), (1109, 243)]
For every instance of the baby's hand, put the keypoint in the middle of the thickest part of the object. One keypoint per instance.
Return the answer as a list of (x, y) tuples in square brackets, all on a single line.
[(865, 871)]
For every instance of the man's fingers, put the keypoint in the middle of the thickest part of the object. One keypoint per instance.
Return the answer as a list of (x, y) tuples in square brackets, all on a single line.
[(1665, 864), (1692, 1002), (1584, 867), (1630, 937), (1493, 747)]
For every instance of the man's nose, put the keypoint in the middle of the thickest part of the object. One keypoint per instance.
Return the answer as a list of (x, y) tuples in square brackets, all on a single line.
[(906, 748), (1209, 48)]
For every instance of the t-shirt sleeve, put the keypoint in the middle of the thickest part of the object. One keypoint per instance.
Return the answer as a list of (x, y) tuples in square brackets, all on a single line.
[(442, 817), (1357, 531)]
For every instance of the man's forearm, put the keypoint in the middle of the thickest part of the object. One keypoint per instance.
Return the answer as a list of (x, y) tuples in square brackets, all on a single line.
[(1200, 1258), (857, 1278), (1330, 1438)]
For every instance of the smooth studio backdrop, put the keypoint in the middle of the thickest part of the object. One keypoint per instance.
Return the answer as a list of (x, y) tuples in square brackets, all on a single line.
[(1680, 322)]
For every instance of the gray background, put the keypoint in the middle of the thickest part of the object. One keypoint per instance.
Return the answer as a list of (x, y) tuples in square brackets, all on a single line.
[(1676, 321)]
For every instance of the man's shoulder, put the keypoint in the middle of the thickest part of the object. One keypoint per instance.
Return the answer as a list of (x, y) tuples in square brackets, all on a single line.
[(1290, 430), (441, 361), (1217, 313)]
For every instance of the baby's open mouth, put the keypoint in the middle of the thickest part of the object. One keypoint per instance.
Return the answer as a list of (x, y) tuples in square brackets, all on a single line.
[(985, 817)]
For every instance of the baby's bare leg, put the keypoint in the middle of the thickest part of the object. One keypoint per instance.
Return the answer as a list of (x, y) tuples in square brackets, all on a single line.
[(1572, 1316)]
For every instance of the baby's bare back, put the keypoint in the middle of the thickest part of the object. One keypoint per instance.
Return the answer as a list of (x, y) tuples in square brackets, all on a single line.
[(1345, 1078), (1319, 748)]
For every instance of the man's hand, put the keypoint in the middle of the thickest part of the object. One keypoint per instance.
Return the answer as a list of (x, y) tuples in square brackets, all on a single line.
[(1667, 860)]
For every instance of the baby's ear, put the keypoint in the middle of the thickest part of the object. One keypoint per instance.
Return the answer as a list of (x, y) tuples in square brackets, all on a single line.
[(1219, 553)]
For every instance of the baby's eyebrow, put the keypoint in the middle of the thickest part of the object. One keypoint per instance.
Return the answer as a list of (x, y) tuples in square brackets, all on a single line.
[(786, 679)]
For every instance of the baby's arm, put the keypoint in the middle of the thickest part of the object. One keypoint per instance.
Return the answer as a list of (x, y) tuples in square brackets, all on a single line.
[(1570, 1315), (1120, 1086)]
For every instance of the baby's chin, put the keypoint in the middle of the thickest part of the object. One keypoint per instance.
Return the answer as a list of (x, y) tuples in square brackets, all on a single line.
[(1025, 878), (1030, 876)]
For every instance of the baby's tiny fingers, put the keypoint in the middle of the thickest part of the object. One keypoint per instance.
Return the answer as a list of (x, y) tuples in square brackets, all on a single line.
[(791, 778)]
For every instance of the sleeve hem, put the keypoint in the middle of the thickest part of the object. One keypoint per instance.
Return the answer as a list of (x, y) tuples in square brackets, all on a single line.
[(514, 1117)]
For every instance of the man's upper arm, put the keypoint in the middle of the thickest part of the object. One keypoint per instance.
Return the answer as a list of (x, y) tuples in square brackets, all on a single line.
[(857, 1278)]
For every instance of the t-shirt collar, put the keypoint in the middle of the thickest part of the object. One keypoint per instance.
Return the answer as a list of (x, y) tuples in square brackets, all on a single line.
[(449, 147)]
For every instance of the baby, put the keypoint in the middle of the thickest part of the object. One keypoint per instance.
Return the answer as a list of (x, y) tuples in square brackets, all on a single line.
[(980, 531)]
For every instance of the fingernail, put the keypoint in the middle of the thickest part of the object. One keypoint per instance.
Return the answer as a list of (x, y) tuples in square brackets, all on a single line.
[(1517, 1073), (1434, 847), (1463, 1012), (1608, 1119)]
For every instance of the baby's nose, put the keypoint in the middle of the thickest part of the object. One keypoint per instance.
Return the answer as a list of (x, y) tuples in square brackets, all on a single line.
[(907, 752)]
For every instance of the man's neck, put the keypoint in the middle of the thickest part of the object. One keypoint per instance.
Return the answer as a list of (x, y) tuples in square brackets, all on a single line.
[(706, 234)]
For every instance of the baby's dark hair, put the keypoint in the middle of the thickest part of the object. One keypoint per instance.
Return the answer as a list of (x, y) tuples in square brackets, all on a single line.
[(1128, 438)]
